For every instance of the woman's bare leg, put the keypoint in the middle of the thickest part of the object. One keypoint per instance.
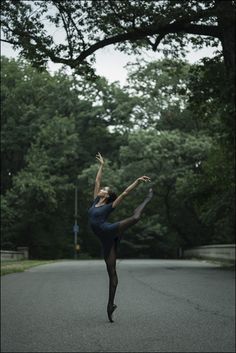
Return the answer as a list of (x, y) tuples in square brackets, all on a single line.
[(128, 222)]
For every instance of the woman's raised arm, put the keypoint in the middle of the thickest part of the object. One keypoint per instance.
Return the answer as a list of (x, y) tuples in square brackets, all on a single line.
[(99, 174), (118, 200)]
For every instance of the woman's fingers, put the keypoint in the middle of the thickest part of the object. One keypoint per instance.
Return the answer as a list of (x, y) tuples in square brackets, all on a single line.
[(99, 157), (145, 178)]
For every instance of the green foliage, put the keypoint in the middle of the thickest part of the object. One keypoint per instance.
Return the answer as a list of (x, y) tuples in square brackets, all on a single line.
[(168, 157), (169, 123), (54, 135), (161, 87)]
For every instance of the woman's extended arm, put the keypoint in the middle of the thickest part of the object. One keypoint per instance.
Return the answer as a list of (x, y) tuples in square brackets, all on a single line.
[(128, 189), (99, 175)]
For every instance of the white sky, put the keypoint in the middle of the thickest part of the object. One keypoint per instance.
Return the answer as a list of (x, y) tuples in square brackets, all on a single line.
[(110, 63)]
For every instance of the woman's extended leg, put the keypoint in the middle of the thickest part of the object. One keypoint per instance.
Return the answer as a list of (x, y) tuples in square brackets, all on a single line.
[(113, 280), (126, 223)]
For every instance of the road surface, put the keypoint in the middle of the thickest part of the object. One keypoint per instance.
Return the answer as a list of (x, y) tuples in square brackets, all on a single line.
[(163, 306)]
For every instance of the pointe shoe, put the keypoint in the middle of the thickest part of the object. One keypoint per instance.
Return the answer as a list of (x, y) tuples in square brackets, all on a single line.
[(110, 310), (150, 194)]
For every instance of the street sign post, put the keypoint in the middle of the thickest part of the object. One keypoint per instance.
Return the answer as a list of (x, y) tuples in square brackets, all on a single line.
[(76, 226)]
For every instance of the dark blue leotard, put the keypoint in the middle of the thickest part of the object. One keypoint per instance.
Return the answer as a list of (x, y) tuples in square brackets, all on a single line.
[(106, 232)]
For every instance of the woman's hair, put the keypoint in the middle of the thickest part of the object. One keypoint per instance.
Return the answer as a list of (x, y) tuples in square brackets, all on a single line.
[(112, 196)]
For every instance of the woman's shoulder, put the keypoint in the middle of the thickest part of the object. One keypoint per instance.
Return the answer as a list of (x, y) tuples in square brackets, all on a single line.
[(95, 200), (109, 205)]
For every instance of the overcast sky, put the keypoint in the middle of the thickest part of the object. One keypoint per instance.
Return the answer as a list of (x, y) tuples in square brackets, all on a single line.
[(110, 63)]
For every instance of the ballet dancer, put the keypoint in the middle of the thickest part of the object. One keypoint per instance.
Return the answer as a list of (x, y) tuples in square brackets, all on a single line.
[(109, 234)]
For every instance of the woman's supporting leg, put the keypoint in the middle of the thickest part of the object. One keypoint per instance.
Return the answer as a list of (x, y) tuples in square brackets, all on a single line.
[(113, 280), (128, 222), (111, 258)]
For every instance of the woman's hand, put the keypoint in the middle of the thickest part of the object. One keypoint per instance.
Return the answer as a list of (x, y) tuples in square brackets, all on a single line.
[(99, 158), (143, 178)]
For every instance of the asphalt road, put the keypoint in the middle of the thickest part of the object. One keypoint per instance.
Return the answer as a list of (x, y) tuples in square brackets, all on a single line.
[(163, 306)]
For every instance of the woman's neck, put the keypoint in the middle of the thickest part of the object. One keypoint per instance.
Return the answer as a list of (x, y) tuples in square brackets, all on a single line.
[(102, 201)]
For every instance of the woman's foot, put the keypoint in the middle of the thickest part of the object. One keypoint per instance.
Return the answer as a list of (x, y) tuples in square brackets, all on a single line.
[(110, 310), (149, 195)]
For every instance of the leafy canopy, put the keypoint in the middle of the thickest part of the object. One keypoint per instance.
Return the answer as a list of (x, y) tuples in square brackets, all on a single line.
[(70, 32)]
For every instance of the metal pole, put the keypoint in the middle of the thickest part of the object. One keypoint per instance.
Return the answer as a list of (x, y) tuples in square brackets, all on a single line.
[(76, 225)]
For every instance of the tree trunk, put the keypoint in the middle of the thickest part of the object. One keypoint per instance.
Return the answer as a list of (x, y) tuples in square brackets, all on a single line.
[(226, 22)]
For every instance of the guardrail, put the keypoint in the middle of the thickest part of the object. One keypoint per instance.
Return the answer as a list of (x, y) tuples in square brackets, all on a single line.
[(22, 253), (225, 252)]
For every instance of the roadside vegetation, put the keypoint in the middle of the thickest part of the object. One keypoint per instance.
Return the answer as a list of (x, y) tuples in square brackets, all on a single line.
[(8, 267)]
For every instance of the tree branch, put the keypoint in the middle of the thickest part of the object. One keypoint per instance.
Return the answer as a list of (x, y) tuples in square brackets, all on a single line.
[(78, 31), (39, 45), (158, 40), (183, 25), (60, 9), (143, 33), (7, 41), (117, 23)]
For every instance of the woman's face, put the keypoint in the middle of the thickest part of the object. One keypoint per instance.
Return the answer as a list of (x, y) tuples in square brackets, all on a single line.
[(104, 192)]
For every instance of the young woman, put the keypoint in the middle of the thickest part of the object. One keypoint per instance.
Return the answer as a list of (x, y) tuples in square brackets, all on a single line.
[(105, 201)]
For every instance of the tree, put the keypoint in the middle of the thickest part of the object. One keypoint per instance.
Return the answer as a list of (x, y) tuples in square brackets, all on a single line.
[(174, 95), (58, 123), (38, 96), (29, 99), (161, 91), (38, 191), (49, 136), (89, 25)]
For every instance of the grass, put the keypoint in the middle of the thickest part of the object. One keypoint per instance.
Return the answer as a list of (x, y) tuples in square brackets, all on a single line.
[(8, 267)]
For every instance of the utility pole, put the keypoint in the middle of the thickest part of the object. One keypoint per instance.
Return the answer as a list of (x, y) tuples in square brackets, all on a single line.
[(76, 227)]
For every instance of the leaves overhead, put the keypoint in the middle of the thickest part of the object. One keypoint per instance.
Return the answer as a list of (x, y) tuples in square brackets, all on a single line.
[(70, 32)]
